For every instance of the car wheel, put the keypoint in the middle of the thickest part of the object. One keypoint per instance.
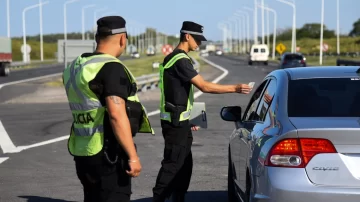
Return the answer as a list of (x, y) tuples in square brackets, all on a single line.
[(231, 187), (250, 63), (265, 63)]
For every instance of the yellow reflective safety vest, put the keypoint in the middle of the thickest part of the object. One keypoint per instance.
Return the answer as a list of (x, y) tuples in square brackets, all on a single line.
[(87, 131), (164, 115)]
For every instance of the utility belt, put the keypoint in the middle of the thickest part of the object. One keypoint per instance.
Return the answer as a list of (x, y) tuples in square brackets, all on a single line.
[(175, 113)]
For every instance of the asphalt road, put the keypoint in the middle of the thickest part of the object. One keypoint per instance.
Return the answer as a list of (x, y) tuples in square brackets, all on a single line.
[(47, 174), (44, 70)]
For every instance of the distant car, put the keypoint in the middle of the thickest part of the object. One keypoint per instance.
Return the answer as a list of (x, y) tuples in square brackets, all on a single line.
[(135, 55), (204, 53), (259, 53), (218, 52), (290, 60), (299, 138)]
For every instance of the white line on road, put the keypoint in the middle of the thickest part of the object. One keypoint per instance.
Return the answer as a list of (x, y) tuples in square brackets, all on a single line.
[(4, 135), (6, 144), (31, 79), (3, 159)]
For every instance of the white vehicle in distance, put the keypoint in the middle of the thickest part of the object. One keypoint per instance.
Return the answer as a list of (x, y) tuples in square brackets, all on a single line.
[(135, 55), (259, 53), (218, 52)]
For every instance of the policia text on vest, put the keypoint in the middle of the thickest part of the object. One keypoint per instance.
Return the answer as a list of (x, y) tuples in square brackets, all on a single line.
[(87, 134)]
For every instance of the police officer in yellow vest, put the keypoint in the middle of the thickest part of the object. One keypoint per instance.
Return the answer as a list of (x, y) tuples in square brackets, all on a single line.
[(106, 115), (177, 79)]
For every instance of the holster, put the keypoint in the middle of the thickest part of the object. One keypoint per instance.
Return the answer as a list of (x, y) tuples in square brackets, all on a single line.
[(175, 112), (135, 114)]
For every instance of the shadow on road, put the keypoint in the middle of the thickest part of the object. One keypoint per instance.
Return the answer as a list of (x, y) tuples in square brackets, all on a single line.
[(196, 196), (42, 199)]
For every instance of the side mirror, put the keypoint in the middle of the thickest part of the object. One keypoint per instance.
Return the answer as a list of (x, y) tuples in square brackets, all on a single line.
[(231, 113)]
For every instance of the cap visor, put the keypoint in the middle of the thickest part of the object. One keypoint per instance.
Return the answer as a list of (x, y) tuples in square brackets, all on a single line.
[(199, 37)]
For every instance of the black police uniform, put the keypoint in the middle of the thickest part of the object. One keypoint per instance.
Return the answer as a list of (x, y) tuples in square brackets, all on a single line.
[(102, 179), (176, 170)]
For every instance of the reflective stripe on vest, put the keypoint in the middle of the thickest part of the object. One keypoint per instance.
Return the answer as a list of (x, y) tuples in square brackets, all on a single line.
[(87, 134), (164, 115)]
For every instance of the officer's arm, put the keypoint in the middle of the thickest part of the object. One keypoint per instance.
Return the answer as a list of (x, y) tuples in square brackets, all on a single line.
[(208, 87), (121, 125)]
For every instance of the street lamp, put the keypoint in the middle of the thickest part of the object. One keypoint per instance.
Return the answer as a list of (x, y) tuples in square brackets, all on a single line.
[(255, 22), (65, 23), (321, 32), (237, 32), (274, 37), (8, 17), (83, 19), (248, 27), (242, 34), (293, 45), (41, 32), (262, 22), (223, 28), (252, 10), (338, 27), (24, 26)]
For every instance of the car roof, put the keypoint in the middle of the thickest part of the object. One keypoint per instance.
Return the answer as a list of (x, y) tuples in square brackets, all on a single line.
[(323, 72), (289, 53)]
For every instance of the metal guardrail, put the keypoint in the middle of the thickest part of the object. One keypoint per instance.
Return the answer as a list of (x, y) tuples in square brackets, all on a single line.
[(151, 81), (341, 62), (34, 62)]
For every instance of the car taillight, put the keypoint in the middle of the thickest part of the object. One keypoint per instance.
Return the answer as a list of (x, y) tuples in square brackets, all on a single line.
[(297, 153), (302, 62)]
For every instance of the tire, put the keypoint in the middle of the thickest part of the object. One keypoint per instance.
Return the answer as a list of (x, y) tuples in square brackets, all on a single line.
[(4, 69), (266, 63), (231, 187), (250, 62)]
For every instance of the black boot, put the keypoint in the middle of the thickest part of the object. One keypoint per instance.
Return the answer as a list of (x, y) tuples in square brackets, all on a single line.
[(178, 197)]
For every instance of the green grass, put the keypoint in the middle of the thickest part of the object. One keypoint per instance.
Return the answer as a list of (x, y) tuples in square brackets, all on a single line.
[(49, 50), (143, 65)]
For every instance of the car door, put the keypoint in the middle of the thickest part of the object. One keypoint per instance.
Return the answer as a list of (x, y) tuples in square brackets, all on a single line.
[(239, 143)]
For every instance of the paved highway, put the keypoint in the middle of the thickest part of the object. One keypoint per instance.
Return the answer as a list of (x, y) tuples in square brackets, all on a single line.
[(46, 173)]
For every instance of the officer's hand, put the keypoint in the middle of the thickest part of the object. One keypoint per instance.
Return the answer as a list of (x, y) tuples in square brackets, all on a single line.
[(195, 128), (243, 88), (135, 168)]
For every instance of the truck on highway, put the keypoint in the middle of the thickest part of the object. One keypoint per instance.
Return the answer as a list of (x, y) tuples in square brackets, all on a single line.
[(5, 56)]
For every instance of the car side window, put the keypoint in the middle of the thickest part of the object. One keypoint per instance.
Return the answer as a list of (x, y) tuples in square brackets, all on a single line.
[(266, 99), (250, 113)]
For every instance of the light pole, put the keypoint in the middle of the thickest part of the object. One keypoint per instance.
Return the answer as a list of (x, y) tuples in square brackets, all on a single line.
[(8, 17), (65, 17), (255, 22), (223, 28), (267, 25), (274, 37), (83, 19), (262, 23), (321, 32), (248, 27), (241, 18), (237, 31), (41, 32), (293, 45), (338, 26), (24, 26), (252, 10)]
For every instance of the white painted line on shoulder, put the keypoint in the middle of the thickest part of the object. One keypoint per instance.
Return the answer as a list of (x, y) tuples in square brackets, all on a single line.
[(31, 79), (13, 149)]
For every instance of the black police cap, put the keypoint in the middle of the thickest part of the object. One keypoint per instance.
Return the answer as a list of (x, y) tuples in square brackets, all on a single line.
[(194, 29), (110, 25)]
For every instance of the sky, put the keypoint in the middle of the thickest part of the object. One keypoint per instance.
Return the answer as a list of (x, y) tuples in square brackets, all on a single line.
[(167, 15)]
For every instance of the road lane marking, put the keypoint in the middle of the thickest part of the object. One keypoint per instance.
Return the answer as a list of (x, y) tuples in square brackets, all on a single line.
[(3, 159), (62, 138), (31, 79), (6, 144)]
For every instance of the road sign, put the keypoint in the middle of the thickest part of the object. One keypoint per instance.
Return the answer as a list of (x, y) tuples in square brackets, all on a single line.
[(167, 49), (26, 49), (280, 48), (325, 47)]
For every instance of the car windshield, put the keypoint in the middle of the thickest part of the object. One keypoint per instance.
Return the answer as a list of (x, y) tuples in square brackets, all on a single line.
[(293, 57), (324, 97)]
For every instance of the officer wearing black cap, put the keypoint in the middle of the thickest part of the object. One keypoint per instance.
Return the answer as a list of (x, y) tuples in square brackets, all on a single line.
[(107, 114), (178, 77)]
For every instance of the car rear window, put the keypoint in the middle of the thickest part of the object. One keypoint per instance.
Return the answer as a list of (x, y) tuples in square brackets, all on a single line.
[(293, 57), (324, 97), (256, 50), (263, 50)]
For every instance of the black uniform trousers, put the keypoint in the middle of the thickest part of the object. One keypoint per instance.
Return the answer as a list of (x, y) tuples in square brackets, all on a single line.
[(103, 182), (176, 167)]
